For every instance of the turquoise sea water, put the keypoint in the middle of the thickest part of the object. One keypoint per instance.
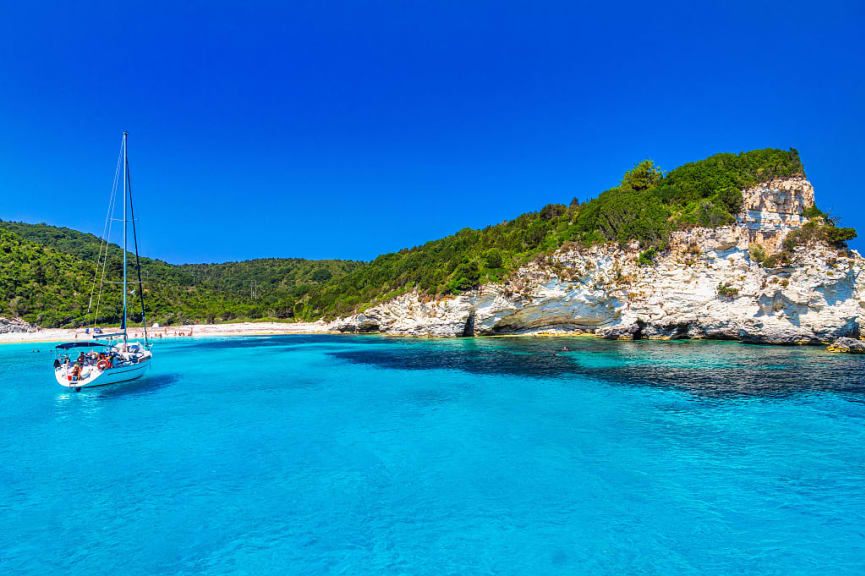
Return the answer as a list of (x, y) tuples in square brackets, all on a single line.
[(366, 455)]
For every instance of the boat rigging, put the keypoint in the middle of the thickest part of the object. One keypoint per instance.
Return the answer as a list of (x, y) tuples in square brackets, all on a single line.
[(112, 358)]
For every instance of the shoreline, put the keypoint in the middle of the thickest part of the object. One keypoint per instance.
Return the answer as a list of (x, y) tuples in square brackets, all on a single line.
[(241, 329), (190, 331)]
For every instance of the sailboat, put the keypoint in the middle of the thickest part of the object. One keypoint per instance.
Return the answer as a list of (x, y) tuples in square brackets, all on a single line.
[(112, 358)]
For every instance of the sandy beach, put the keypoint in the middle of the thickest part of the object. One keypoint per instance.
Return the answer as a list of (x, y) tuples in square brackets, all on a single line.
[(190, 331)]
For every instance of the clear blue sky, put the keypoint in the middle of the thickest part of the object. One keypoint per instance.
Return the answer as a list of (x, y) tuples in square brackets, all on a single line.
[(346, 130)]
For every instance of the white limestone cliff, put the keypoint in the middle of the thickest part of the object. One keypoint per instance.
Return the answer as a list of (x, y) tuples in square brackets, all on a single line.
[(705, 286), (15, 325)]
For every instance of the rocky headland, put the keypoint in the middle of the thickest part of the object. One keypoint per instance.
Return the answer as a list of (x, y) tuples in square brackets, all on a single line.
[(708, 283)]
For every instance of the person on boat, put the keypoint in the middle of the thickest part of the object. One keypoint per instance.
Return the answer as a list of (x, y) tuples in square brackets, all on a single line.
[(56, 363)]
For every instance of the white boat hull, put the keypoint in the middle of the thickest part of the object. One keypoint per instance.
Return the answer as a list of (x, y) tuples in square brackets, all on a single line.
[(93, 377)]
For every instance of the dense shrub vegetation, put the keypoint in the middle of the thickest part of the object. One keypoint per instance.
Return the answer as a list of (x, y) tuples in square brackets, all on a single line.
[(46, 272), (39, 283), (646, 206), (727, 292)]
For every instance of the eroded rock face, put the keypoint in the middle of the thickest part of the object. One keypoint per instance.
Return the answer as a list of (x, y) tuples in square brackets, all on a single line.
[(773, 209), (704, 286), (8, 325)]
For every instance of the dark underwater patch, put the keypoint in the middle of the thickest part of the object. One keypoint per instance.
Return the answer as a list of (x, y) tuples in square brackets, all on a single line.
[(701, 368)]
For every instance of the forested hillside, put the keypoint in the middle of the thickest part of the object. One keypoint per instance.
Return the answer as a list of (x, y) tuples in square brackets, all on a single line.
[(46, 272), (646, 206)]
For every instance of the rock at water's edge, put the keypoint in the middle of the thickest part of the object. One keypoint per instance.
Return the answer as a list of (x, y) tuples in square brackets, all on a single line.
[(848, 345)]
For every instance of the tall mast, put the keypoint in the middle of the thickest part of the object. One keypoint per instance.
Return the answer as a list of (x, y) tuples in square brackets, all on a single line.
[(124, 236), (137, 258)]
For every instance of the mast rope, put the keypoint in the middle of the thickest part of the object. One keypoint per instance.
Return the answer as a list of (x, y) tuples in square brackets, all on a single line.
[(104, 243), (135, 242)]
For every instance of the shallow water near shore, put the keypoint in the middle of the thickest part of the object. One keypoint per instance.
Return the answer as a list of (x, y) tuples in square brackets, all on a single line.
[(370, 455)]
